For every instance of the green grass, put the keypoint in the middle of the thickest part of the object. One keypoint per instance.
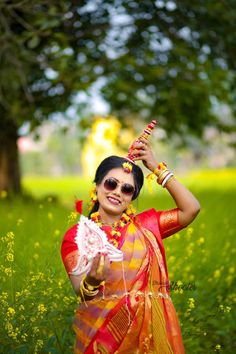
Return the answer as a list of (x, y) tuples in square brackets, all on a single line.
[(37, 302)]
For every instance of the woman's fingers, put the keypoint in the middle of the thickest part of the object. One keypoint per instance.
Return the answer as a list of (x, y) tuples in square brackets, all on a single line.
[(142, 151), (99, 269), (101, 266), (107, 265), (141, 144), (95, 264)]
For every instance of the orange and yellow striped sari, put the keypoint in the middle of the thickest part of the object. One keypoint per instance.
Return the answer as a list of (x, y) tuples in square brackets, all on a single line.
[(134, 312)]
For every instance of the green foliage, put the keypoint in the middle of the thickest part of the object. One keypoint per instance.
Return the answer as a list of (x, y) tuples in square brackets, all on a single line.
[(37, 301), (156, 58)]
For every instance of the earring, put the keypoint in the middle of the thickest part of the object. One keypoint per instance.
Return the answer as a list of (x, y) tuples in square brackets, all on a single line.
[(93, 198), (130, 209)]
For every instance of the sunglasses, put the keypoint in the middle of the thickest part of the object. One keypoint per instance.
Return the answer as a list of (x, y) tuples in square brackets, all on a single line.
[(110, 184)]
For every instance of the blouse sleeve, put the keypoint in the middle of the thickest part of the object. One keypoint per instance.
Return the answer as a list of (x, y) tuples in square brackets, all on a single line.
[(168, 222), (164, 222), (69, 249)]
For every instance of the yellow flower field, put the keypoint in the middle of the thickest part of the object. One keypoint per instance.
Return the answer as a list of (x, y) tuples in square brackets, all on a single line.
[(37, 302)]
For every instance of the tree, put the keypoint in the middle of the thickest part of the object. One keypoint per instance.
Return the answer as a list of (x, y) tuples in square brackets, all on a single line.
[(176, 62), (165, 59), (42, 46)]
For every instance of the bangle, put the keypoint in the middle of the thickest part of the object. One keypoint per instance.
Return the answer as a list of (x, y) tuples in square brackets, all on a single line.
[(162, 166), (162, 176), (87, 292), (91, 287), (166, 179)]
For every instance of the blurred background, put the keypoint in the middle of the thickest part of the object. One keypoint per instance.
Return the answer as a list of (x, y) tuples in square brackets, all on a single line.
[(79, 80)]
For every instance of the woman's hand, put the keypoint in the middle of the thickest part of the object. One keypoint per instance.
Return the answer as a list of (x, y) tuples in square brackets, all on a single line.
[(142, 151), (96, 275), (99, 269)]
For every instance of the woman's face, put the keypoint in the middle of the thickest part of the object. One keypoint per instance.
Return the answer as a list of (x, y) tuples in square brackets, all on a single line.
[(115, 201)]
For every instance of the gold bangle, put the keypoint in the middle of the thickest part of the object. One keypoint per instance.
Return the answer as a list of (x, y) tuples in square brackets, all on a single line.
[(91, 287), (163, 176), (160, 167), (167, 178), (87, 292), (157, 172)]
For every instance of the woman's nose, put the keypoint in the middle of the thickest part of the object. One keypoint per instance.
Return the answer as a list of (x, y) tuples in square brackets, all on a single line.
[(118, 190)]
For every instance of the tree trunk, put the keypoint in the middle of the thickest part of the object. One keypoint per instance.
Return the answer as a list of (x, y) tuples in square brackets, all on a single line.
[(9, 158)]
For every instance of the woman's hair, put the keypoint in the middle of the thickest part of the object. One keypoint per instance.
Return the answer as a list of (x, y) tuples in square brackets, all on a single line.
[(115, 162)]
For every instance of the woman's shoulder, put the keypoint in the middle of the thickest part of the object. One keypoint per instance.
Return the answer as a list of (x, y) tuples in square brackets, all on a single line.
[(68, 242), (71, 233), (149, 218), (167, 221), (148, 213), (69, 248)]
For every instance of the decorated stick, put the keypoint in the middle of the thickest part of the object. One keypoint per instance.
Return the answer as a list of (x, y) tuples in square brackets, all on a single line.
[(148, 130), (145, 134)]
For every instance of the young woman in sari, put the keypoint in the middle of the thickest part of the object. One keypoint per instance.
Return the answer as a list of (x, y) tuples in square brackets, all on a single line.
[(125, 307)]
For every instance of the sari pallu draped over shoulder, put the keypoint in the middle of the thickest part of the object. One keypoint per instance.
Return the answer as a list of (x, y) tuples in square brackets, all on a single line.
[(134, 313)]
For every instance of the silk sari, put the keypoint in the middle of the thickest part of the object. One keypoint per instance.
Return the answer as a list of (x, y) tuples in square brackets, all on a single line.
[(133, 313)]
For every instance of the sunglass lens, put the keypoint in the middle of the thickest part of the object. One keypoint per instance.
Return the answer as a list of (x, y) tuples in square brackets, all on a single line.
[(127, 189), (110, 184)]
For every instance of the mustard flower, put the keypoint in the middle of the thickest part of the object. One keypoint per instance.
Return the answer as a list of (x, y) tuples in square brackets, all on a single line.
[(200, 241), (41, 308), (189, 232), (24, 337), (10, 257), (231, 270), (218, 347), (73, 216), (56, 232), (39, 345), (35, 330), (191, 303), (50, 216), (4, 295), (217, 273), (10, 312), (19, 222)]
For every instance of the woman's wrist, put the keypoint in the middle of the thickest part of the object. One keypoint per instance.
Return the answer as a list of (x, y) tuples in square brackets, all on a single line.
[(164, 175), (87, 291), (91, 281)]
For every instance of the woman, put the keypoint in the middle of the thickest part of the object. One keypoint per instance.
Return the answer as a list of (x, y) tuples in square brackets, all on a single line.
[(125, 307)]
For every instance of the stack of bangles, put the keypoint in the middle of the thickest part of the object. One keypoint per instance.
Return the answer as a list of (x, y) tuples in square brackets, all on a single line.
[(88, 289), (163, 174)]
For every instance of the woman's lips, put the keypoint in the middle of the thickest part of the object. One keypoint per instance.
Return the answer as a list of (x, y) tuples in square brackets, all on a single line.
[(114, 201)]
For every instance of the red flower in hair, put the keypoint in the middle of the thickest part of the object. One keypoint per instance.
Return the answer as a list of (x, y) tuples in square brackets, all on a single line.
[(79, 206)]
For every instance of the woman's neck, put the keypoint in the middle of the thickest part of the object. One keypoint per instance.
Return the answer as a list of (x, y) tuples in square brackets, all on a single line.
[(108, 219)]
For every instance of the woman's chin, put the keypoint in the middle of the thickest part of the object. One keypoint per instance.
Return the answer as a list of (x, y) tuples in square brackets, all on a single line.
[(113, 210)]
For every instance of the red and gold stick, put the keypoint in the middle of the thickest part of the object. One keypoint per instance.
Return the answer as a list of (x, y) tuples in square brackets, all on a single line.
[(145, 134)]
